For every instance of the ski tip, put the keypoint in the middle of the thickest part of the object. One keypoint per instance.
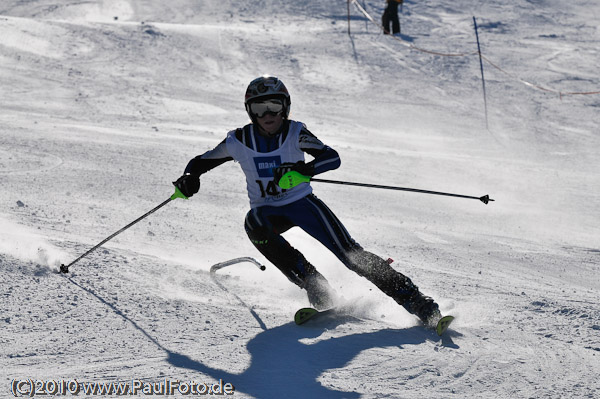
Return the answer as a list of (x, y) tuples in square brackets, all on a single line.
[(443, 324), (304, 314)]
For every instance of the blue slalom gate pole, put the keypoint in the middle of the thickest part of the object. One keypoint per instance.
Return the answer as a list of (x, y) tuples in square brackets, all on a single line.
[(482, 77)]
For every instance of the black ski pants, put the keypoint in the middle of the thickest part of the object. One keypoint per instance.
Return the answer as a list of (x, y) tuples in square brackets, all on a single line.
[(264, 226), (390, 16)]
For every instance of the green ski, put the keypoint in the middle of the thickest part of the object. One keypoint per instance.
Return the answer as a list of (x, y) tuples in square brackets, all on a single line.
[(305, 314), (442, 324)]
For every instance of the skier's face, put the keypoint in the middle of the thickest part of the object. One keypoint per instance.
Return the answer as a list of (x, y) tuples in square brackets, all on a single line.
[(270, 123)]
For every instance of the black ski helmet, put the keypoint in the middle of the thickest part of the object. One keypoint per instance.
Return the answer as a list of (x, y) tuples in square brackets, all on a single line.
[(266, 87)]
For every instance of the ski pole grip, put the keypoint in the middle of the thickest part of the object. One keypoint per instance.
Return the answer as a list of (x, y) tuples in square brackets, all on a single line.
[(292, 179), (178, 194)]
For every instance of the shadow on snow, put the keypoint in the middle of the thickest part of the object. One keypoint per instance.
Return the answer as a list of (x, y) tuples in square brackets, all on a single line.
[(282, 365)]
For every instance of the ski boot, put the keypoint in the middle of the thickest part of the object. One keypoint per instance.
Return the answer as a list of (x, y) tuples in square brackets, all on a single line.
[(424, 308), (320, 294)]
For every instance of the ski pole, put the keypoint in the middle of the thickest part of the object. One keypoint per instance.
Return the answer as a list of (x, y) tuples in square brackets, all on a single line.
[(293, 178), (177, 194)]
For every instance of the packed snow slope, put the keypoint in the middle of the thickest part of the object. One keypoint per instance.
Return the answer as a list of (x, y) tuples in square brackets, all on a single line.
[(104, 102)]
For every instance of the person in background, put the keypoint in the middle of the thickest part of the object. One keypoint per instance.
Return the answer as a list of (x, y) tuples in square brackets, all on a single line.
[(390, 16)]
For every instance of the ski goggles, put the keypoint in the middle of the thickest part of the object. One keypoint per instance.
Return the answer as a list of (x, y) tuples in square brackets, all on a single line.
[(260, 109)]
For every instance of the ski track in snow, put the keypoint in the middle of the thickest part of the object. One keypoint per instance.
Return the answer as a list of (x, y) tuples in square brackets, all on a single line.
[(100, 114)]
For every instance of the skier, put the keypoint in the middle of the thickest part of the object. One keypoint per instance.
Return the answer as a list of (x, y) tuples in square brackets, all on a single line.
[(266, 149), (390, 15)]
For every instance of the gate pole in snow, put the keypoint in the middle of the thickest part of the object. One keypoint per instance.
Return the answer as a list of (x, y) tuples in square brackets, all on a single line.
[(218, 266), (482, 78), (348, 17)]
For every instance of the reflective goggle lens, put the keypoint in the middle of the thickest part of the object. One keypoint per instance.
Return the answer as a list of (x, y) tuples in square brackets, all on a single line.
[(260, 109)]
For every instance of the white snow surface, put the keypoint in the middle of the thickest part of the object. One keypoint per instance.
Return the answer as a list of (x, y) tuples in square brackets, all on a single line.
[(104, 103)]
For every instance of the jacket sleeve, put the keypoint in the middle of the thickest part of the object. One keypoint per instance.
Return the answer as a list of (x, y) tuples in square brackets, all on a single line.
[(325, 157), (209, 160)]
